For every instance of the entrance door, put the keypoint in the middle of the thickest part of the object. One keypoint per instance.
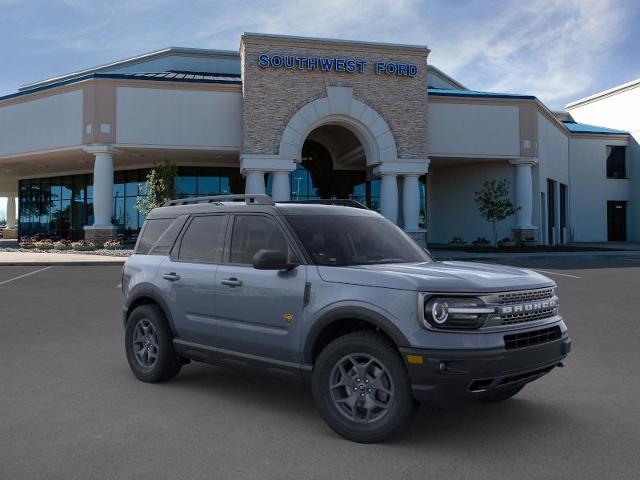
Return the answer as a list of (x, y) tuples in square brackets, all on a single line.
[(617, 221), (258, 312)]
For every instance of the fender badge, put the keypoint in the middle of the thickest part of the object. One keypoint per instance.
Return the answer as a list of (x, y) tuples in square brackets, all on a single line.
[(288, 317)]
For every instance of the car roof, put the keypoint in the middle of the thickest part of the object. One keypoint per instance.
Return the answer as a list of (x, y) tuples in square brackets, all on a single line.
[(276, 209)]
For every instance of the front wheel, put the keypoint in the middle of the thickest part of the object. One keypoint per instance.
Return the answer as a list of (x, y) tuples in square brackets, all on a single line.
[(149, 345), (362, 388)]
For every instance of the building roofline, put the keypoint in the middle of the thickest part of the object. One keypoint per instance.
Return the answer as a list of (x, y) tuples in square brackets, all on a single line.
[(446, 76), (604, 93), (320, 40), (445, 92), (118, 76), (131, 61)]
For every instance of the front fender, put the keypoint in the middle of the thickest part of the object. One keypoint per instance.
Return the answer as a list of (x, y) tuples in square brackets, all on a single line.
[(351, 312)]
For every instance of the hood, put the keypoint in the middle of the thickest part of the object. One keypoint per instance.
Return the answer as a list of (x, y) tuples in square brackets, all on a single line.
[(462, 277)]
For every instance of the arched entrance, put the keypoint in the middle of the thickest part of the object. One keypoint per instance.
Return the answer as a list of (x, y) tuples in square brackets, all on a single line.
[(333, 165)]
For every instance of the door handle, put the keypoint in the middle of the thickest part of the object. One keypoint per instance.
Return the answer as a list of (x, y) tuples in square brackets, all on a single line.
[(231, 282), (172, 277)]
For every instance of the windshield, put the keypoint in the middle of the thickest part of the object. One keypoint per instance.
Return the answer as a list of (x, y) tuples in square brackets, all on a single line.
[(340, 240)]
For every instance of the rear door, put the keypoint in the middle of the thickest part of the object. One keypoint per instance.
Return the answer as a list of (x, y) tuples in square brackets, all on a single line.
[(186, 278), (259, 312)]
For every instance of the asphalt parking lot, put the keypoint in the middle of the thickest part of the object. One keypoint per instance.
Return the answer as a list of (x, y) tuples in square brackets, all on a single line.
[(70, 408)]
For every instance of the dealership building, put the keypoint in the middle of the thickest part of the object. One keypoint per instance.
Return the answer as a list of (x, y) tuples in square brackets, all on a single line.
[(307, 118)]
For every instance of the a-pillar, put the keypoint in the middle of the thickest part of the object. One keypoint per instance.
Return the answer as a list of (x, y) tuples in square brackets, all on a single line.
[(524, 198), (102, 228)]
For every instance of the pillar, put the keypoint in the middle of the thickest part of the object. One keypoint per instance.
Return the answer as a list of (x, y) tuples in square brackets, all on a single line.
[(11, 212), (410, 202), (102, 228), (280, 188), (389, 197), (254, 182), (524, 197)]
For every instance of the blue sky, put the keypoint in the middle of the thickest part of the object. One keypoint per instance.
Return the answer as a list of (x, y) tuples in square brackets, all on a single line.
[(558, 50)]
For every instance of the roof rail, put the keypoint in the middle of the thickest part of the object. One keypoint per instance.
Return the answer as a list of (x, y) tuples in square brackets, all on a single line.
[(250, 199), (341, 202)]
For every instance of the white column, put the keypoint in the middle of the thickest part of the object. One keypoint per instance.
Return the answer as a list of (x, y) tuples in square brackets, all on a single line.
[(103, 189), (255, 182), (11, 211), (389, 197), (280, 187), (410, 202), (524, 192)]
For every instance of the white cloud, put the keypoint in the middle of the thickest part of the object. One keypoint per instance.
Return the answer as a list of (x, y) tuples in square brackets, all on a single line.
[(554, 49)]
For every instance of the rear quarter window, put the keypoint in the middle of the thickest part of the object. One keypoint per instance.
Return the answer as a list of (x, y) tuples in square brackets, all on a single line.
[(151, 232)]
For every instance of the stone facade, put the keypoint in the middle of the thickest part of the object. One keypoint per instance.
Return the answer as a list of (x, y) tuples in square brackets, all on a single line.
[(98, 235), (271, 96)]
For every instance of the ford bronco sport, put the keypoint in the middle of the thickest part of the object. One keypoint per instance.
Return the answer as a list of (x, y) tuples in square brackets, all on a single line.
[(337, 296)]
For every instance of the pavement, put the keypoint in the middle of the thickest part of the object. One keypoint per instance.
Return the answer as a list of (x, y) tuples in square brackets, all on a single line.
[(71, 409), (36, 258)]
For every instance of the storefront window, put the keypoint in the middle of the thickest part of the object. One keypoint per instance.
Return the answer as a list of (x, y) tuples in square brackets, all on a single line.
[(60, 207)]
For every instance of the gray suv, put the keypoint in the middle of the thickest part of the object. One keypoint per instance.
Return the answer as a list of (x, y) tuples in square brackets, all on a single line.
[(336, 296)]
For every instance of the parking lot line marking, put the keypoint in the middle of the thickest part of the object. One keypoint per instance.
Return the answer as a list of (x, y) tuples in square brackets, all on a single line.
[(119, 286), (25, 275), (556, 273)]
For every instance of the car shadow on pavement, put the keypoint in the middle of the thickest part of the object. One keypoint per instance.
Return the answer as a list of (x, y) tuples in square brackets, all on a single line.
[(476, 425)]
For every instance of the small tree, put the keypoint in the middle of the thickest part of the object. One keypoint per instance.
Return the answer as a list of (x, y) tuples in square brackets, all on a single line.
[(494, 203), (160, 187)]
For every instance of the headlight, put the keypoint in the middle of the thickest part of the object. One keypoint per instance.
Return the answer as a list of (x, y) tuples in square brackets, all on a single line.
[(455, 312)]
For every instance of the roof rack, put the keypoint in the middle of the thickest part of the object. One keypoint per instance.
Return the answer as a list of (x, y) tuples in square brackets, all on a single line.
[(341, 202), (250, 199)]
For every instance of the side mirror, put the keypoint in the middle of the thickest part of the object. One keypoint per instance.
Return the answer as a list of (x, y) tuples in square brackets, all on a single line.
[(272, 260)]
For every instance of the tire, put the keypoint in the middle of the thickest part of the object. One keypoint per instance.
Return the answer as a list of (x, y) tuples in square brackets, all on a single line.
[(147, 331), (369, 409), (502, 394)]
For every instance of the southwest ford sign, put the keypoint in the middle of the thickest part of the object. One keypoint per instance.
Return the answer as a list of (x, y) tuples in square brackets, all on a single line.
[(335, 64)]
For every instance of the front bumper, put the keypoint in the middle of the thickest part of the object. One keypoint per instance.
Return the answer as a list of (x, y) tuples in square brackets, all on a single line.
[(447, 376)]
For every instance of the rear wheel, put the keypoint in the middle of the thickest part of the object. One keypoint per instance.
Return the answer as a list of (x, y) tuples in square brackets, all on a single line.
[(502, 394), (149, 345), (362, 388)]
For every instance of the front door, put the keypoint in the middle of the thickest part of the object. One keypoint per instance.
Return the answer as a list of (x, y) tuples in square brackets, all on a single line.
[(187, 278), (617, 221), (258, 312)]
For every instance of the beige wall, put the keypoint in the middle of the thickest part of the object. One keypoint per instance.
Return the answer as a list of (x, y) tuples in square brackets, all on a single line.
[(272, 96)]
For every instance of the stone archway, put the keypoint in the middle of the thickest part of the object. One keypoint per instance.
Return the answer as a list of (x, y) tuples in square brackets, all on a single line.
[(340, 108)]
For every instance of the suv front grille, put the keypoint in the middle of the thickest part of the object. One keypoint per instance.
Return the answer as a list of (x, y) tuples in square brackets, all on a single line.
[(535, 337), (508, 298), (527, 296)]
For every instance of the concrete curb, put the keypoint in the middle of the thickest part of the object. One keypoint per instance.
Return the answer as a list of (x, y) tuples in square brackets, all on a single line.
[(541, 255), (62, 264)]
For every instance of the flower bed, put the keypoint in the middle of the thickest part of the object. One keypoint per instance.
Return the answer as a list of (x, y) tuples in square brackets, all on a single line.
[(113, 244), (83, 245)]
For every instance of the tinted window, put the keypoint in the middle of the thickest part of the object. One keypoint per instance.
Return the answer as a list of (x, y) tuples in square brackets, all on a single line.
[(344, 240), (204, 240), (167, 239), (252, 233), (616, 162), (151, 233)]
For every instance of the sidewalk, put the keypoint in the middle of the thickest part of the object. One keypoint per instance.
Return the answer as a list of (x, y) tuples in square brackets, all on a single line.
[(32, 258), (445, 254)]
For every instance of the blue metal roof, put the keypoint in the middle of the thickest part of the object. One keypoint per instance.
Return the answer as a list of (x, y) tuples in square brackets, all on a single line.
[(444, 92), (173, 76), (575, 127)]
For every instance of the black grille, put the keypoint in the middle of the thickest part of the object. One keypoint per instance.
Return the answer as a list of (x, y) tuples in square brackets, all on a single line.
[(523, 317), (520, 296), (535, 337)]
